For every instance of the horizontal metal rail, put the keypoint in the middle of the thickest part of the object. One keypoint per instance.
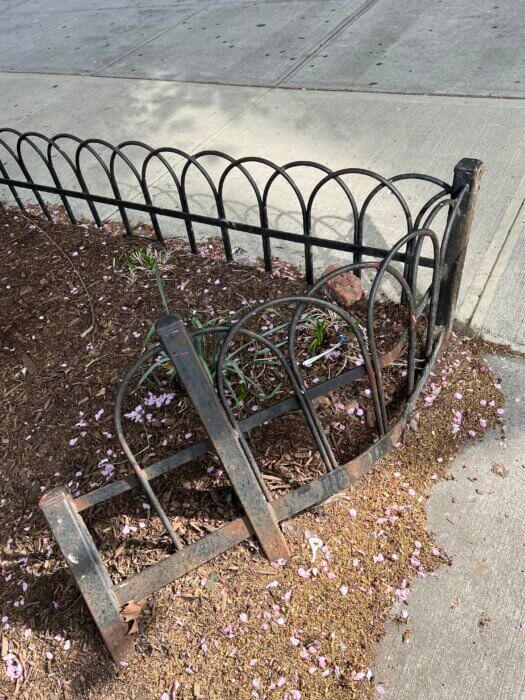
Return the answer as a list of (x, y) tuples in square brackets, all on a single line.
[(277, 234)]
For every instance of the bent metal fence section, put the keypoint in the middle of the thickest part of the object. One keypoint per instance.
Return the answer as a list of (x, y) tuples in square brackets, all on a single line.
[(225, 434)]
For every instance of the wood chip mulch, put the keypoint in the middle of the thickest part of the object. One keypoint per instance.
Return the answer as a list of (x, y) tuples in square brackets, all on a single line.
[(72, 318)]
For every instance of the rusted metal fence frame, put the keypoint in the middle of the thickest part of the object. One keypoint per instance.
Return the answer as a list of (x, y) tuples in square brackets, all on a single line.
[(261, 515)]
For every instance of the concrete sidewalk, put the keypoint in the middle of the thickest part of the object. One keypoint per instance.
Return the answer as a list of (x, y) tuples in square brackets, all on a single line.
[(403, 86), (403, 46), (466, 635)]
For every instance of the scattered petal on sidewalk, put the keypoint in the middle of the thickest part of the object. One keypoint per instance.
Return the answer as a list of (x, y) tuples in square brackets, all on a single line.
[(500, 470)]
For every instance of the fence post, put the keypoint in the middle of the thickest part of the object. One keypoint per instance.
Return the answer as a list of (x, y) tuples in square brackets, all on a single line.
[(466, 173)]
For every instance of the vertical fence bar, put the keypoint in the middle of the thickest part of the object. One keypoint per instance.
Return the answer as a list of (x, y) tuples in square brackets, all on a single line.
[(88, 570), (225, 231), (308, 257), (266, 245), (467, 173)]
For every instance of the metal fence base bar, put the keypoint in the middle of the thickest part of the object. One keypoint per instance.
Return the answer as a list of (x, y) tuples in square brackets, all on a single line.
[(156, 576), (89, 572)]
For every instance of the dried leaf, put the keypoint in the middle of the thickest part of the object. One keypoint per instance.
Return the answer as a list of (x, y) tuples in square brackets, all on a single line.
[(133, 628), (132, 609), (27, 362)]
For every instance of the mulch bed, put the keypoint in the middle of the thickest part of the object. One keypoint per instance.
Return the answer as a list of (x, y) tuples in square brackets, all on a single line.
[(73, 316)]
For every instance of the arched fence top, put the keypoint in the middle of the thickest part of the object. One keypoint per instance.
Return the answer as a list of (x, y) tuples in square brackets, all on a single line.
[(22, 155)]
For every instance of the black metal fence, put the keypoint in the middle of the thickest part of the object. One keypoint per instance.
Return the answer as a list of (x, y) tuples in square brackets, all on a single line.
[(262, 513), (63, 159)]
